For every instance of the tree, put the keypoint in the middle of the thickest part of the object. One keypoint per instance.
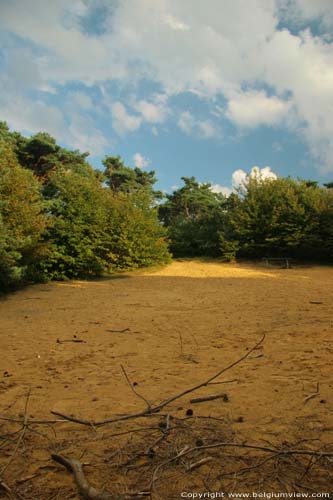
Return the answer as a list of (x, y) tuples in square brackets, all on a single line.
[(194, 215), (126, 179), (22, 220)]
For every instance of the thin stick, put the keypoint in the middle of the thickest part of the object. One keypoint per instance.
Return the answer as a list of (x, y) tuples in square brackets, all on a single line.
[(22, 434), (198, 464), (224, 382), (157, 408), (210, 379), (210, 398), (313, 395), (119, 331), (132, 388)]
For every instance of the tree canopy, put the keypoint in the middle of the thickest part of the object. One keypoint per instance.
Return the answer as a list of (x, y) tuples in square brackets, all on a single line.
[(60, 218)]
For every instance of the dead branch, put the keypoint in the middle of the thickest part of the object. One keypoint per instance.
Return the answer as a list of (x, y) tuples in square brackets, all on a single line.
[(119, 331), (132, 388), (210, 398), (260, 448), (87, 491), (313, 395), (157, 408), (274, 453), (77, 341), (198, 464), (224, 382), (21, 436)]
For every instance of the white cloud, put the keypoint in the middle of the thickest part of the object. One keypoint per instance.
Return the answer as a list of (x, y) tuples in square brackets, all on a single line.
[(151, 112), (213, 51), (85, 136), (175, 24), (140, 161), (307, 10), (253, 108), (217, 188), (204, 129), (30, 116), (239, 177), (122, 121), (83, 100)]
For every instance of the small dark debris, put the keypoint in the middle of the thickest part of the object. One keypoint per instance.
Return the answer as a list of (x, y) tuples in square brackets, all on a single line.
[(189, 412)]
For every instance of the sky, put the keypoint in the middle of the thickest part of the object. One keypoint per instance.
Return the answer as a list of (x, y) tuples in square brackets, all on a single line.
[(184, 87)]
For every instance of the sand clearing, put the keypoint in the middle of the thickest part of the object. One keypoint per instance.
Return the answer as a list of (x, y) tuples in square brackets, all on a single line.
[(176, 326)]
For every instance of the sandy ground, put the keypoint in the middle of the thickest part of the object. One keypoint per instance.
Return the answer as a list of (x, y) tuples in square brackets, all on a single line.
[(181, 324)]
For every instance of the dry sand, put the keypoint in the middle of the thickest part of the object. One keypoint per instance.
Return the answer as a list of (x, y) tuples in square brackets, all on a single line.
[(183, 323)]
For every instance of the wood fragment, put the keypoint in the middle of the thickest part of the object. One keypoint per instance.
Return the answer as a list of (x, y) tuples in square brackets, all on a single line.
[(210, 398), (77, 341), (224, 382), (119, 331), (22, 433), (86, 491), (198, 464), (133, 389), (27, 478), (313, 395), (162, 404)]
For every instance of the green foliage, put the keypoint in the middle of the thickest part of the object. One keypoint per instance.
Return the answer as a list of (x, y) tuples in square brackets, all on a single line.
[(22, 220), (61, 219), (266, 217), (282, 217), (138, 238), (128, 180), (58, 220), (194, 216)]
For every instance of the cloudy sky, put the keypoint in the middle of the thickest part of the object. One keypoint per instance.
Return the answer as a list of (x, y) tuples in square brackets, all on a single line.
[(185, 87)]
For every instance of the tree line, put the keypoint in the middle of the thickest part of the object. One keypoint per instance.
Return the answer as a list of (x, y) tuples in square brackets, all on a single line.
[(62, 219)]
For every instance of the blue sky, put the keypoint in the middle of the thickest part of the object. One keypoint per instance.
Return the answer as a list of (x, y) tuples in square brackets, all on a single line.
[(184, 87)]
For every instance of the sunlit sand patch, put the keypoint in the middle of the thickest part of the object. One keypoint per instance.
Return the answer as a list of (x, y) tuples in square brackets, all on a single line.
[(192, 269)]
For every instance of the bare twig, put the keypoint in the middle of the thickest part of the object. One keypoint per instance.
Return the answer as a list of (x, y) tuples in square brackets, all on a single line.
[(118, 331), (210, 398), (224, 382), (157, 408), (76, 341), (198, 464), (134, 390), (313, 395), (22, 434)]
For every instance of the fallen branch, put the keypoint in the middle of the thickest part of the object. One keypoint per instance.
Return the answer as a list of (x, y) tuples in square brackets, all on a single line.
[(77, 341), (118, 331), (157, 408), (313, 395), (275, 453), (224, 382), (86, 491), (210, 398), (22, 434), (198, 464), (132, 388)]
